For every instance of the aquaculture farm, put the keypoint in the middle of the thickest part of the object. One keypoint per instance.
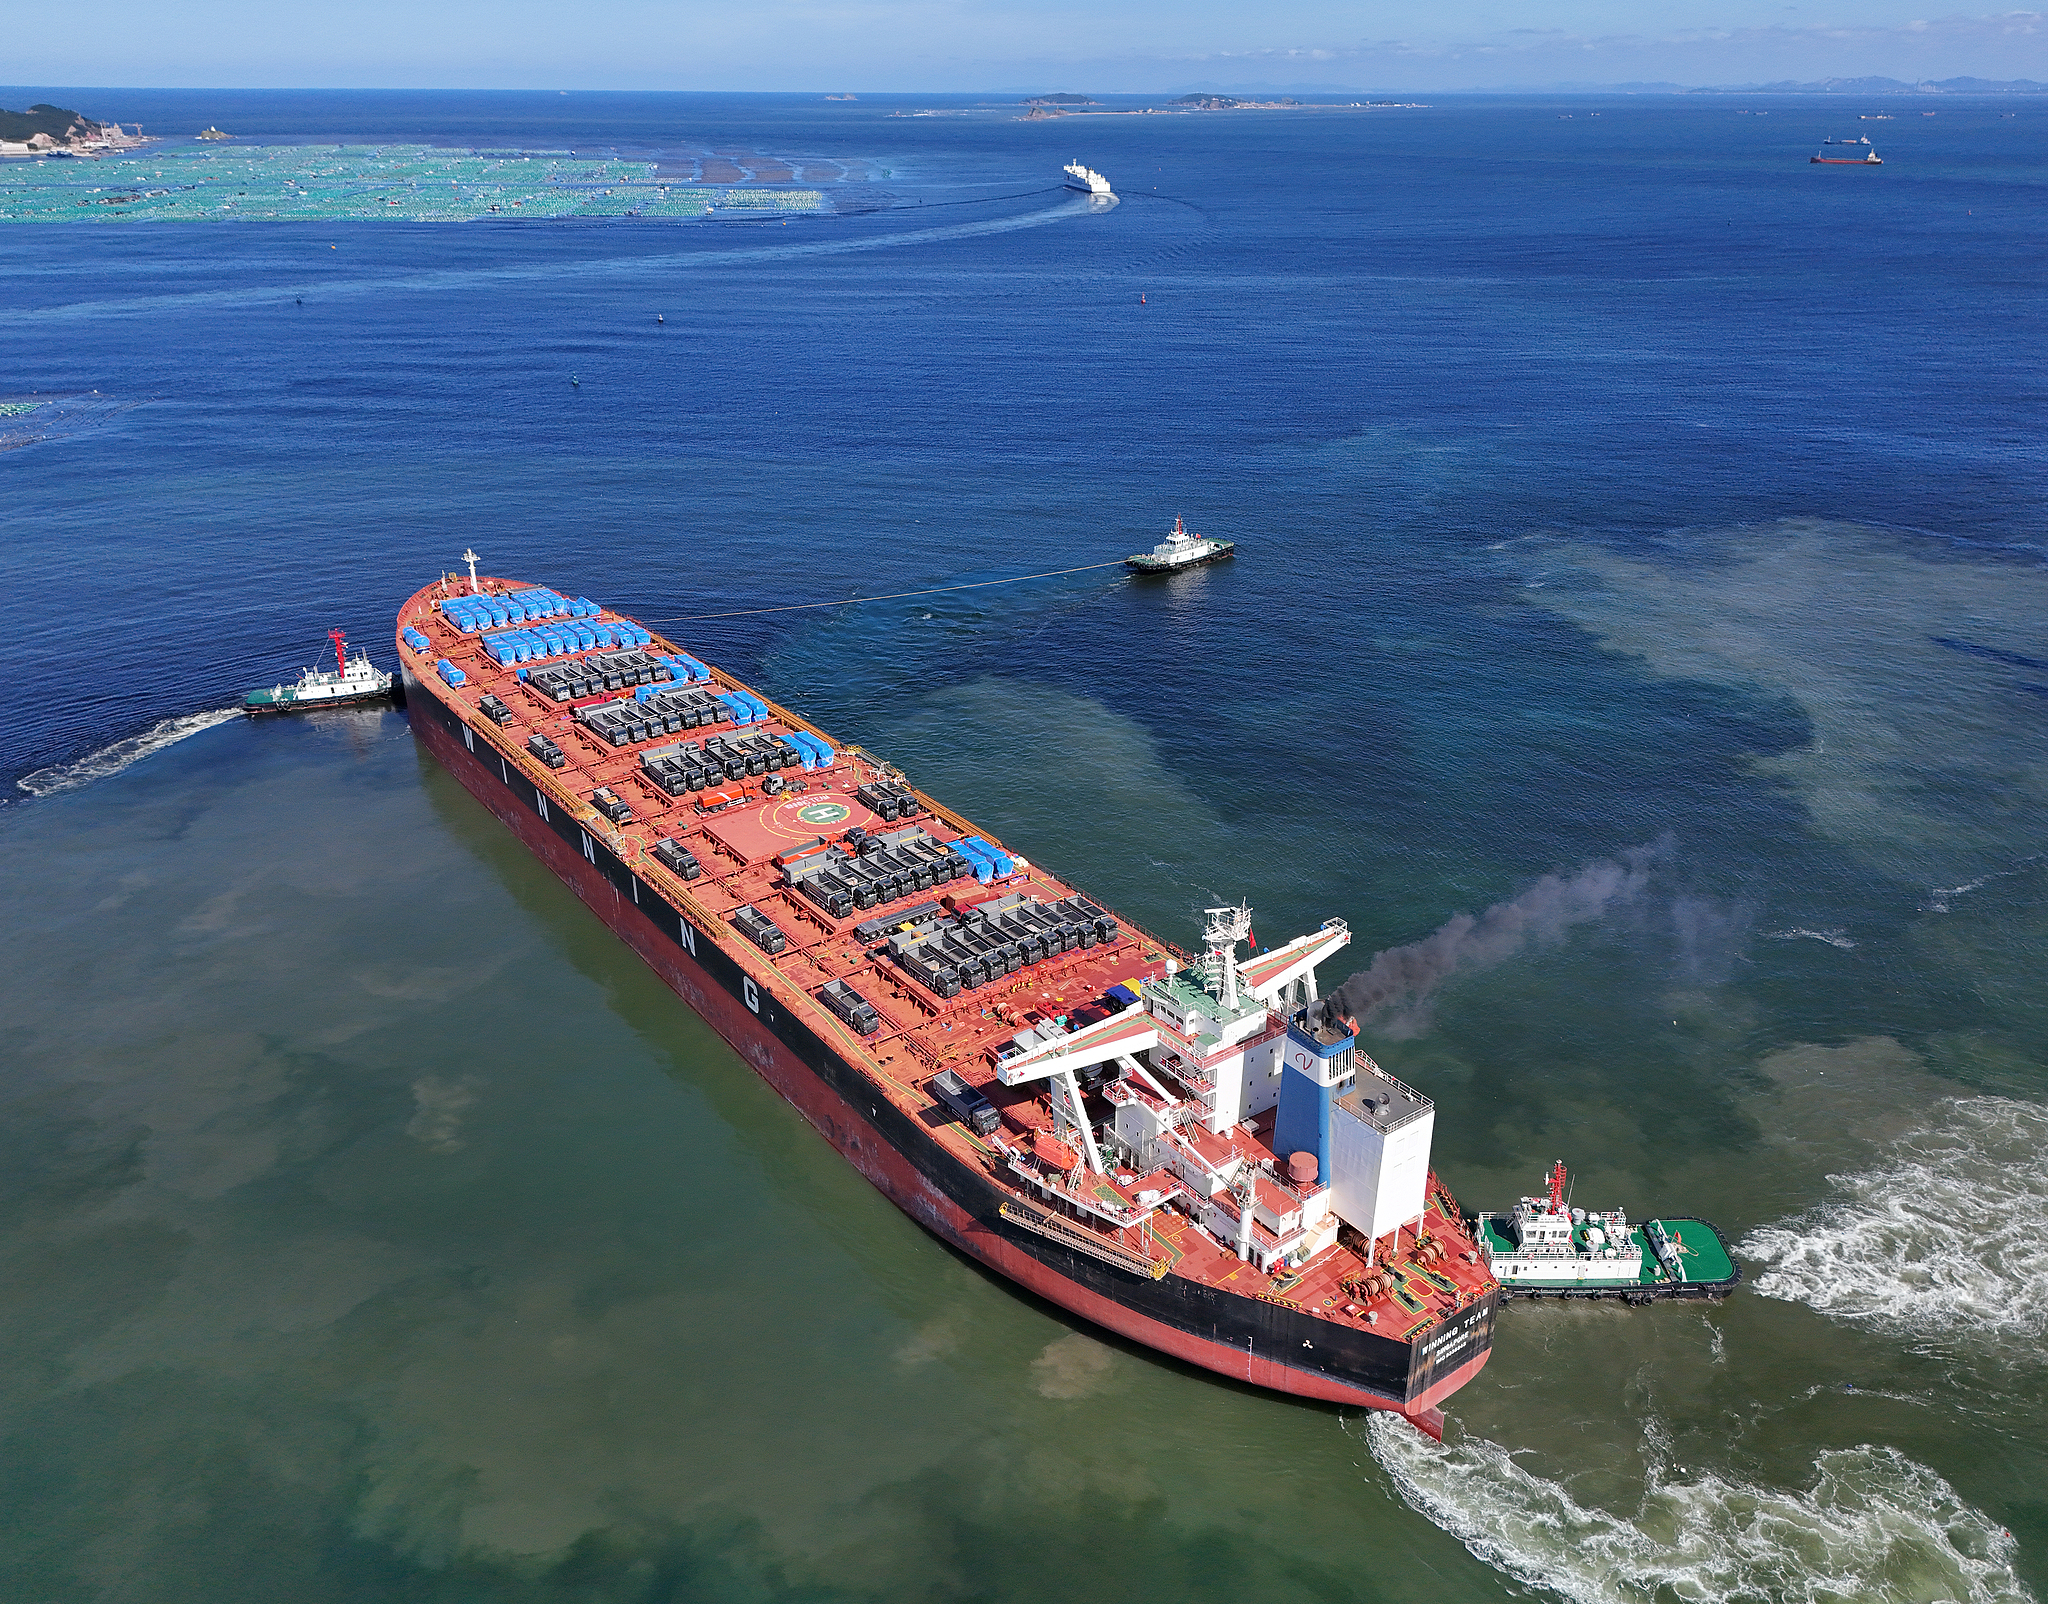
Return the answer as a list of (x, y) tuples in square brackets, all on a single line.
[(360, 183)]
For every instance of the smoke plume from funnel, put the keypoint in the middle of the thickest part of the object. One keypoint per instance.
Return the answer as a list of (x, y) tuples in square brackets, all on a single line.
[(1395, 989)]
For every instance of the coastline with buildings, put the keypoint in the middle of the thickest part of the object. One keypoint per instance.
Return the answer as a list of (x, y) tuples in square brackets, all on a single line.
[(45, 130)]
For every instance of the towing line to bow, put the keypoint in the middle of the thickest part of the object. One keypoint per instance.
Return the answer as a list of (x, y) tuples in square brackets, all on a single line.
[(850, 601)]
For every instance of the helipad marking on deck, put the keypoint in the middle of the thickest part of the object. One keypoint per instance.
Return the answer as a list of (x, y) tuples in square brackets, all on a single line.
[(820, 813)]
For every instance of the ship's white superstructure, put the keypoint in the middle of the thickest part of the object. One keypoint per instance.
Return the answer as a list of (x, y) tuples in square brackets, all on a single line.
[(1546, 1243), (1200, 1058), (1086, 179)]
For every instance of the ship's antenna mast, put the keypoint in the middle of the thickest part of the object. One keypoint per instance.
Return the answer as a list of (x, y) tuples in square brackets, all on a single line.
[(1224, 929), (340, 656), (470, 557), (1557, 1188)]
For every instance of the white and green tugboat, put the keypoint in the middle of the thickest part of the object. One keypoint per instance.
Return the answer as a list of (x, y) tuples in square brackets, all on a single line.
[(352, 682), (1546, 1248), (1181, 549)]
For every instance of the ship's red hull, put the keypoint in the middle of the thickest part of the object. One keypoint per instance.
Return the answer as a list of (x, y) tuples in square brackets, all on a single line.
[(858, 1140)]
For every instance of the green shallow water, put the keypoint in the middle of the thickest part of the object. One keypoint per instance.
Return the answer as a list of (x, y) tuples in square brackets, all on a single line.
[(381, 1186)]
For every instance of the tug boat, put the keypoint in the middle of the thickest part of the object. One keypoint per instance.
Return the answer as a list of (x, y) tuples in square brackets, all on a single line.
[(1870, 158), (353, 682), (1545, 1248), (1181, 549), (1190, 1151)]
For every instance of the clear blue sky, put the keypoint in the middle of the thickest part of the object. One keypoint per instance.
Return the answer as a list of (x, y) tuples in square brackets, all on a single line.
[(1134, 45)]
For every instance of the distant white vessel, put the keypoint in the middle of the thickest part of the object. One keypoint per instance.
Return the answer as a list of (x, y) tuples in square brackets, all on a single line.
[(1086, 179)]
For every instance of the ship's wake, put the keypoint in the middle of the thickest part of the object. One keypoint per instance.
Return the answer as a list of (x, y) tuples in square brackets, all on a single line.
[(1874, 1526), (110, 760), (1947, 1235), (663, 267)]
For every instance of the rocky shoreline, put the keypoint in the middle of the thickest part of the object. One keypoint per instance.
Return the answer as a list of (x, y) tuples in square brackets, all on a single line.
[(46, 130)]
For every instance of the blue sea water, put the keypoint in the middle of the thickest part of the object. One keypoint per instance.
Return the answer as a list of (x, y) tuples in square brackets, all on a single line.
[(1607, 480)]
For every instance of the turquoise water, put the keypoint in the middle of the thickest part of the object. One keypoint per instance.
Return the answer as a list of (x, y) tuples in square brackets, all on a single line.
[(1639, 555)]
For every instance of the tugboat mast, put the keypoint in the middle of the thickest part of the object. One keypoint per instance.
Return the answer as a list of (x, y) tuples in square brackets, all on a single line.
[(340, 654)]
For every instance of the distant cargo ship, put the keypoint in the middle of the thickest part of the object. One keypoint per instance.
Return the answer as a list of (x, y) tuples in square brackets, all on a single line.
[(1192, 1153), (1181, 549), (1869, 159), (1086, 179)]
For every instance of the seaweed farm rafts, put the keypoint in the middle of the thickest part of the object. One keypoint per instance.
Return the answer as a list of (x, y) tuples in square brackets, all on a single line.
[(361, 183)]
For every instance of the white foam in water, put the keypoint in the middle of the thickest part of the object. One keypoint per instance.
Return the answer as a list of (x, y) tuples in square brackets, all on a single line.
[(113, 759), (1939, 898), (1834, 938), (1874, 1527), (1948, 1235)]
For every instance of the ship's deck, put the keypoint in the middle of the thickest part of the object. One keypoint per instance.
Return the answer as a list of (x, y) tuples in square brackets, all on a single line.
[(920, 1033)]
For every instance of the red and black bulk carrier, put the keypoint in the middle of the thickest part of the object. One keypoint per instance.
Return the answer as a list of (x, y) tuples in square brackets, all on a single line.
[(1188, 1150)]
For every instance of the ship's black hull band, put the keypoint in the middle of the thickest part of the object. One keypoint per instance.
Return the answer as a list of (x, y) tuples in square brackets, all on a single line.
[(1394, 1370), (1158, 569)]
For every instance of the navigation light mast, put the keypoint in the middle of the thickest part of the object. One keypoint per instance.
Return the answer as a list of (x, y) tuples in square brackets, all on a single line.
[(1223, 929)]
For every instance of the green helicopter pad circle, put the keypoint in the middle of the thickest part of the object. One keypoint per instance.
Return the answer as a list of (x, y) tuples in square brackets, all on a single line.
[(823, 813)]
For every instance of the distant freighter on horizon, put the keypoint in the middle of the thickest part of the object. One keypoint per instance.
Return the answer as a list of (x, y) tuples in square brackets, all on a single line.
[(1086, 179), (1870, 159)]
